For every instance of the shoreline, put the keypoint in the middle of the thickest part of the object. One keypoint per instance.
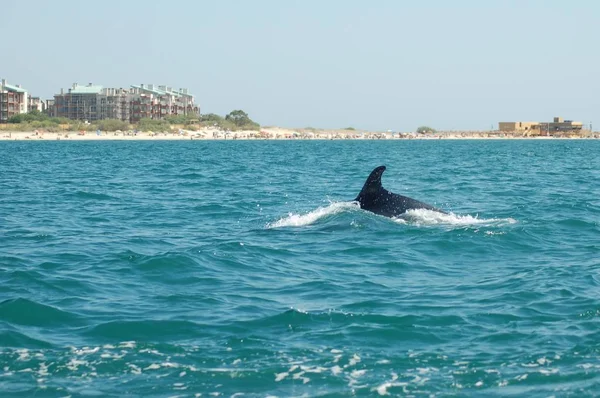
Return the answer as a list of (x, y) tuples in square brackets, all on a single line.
[(280, 134)]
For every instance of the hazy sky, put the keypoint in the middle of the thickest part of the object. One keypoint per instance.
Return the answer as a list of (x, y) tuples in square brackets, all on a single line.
[(449, 64)]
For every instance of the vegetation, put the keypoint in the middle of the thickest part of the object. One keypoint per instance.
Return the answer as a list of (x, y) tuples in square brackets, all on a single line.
[(234, 121), (241, 120), (147, 124), (182, 119), (35, 120), (350, 128), (113, 125), (426, 130)]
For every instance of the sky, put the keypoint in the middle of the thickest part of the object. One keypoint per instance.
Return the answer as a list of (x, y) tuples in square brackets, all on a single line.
[(373, 65)]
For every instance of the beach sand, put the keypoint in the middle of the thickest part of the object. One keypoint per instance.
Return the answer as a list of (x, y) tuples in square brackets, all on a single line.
[(270, 133)]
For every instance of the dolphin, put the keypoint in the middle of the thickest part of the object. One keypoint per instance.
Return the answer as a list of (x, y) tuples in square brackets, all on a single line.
[(374, 198)]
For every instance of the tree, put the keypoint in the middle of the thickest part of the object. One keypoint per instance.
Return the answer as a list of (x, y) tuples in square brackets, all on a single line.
[(239, 118), (211, 117), (426, 130), (34, 115)]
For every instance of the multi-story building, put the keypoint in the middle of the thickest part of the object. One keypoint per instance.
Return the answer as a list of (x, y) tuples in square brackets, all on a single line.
[(78, 103), (35, 104), (114, 103), (157, 102), (144, 101), (13, 100), (50, 110)]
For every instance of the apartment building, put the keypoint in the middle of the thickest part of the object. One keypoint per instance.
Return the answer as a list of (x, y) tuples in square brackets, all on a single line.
[(114, 103), (78, 103), (50, 110), (35, 104), (13, 100), (93, 103), (157, 102)]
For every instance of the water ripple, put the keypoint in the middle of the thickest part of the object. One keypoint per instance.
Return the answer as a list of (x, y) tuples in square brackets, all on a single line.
[(228, 268)]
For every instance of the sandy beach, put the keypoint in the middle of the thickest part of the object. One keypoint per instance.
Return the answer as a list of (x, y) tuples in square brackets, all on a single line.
[(269, 133)]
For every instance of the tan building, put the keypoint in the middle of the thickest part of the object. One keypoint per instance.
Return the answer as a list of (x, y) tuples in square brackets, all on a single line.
[(518, 126), (542, 128), (561, 125)]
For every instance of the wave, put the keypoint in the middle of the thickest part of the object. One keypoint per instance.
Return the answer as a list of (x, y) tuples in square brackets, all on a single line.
[(301, 220), (145, 330), (92, 195), (12, 338), (21, 311), (418, 217), (429, 217)]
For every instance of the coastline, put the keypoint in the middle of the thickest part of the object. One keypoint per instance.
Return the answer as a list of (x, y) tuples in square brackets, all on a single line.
[(270, 133)]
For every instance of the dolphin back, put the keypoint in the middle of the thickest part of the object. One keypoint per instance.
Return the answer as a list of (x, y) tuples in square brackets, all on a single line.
[(374, 198)]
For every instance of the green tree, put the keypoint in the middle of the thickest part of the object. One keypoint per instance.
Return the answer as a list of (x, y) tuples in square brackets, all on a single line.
[(211, 117), (32, 116), (239, 118), (426, 130)]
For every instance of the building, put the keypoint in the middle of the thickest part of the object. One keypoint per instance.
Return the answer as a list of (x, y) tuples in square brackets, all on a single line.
[(114, 103), (50, 110), (78, 103), (13, 100), (561, 125), (157, 102), (518, 126), (35, 104), (558, 125), (93, 103)]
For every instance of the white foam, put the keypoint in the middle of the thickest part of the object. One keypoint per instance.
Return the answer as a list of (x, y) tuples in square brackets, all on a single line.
[(430, 217), (382, 389), (23, 354), (300, 220), (417, 217), (358, 373), (354, 360)]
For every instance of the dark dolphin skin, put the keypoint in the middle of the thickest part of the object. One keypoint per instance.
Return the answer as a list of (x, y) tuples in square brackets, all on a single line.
[(374, 198)]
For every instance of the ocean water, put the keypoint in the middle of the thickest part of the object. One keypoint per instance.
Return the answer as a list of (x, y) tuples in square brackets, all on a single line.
[(242, 268)]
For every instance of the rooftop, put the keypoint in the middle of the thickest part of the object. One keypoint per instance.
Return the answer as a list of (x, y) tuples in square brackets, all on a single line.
[(85, 89), (151, 90), (16, 89), (155, 90)]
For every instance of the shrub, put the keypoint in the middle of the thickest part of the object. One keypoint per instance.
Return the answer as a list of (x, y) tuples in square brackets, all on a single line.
[(113, 125), (153, 125)]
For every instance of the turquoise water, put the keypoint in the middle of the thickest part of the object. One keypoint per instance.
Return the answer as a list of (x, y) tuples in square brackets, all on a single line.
[(226, 269)]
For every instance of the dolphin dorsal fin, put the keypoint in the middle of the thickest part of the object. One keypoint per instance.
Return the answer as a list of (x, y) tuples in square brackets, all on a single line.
[(373, 183)]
